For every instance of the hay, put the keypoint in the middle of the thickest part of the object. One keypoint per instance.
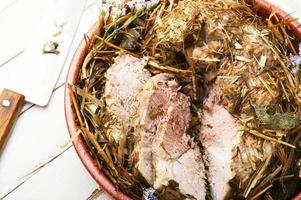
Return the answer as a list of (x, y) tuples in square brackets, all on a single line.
[(247, 55)]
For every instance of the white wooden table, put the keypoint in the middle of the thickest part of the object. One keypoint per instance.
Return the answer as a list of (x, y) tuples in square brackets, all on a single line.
[(39, 161)]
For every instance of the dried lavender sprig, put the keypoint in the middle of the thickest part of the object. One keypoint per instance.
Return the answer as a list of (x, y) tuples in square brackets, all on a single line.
[(149, 194), (295, 62), (119, 6)]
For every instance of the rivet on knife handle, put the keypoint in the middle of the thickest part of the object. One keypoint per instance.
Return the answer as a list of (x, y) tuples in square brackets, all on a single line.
[(10, 106)]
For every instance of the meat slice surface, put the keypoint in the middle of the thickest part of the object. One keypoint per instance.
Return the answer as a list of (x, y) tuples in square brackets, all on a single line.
[(219, 135), (163, 151), (229, 152), (124, 79)]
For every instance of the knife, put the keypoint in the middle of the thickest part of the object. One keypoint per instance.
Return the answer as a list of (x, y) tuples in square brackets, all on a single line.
[(32, 75)]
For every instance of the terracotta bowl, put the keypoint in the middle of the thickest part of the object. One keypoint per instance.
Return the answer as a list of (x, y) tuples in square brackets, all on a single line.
[(264, 8)]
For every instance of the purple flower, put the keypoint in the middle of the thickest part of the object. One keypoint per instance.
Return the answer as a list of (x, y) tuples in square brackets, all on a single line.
[(294, 70), (295, 62), (118, 6), (151, 3), (149, 194), (142, 4)]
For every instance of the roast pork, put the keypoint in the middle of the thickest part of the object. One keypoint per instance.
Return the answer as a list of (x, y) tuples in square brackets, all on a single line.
[(124, 78), (230, 153), (164, 151)]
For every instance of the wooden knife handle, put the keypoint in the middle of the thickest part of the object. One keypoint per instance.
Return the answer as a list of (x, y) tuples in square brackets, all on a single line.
[(10, 106)]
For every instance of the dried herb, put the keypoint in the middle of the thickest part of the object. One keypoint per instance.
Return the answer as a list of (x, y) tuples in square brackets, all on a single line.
[(51, 48), (130, 39), (277, 121), (171, 191)]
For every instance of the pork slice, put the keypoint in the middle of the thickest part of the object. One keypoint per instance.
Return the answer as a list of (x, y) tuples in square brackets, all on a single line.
[(228, 151), (145, 126), (219, 134), (124, 78), (164, 150)]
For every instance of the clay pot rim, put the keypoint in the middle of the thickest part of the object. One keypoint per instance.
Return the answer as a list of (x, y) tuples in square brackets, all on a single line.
[(70, 115)]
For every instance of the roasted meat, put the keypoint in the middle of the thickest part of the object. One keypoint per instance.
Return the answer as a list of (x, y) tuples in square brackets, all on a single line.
[(164, 151), (230, 152), (124, 79)]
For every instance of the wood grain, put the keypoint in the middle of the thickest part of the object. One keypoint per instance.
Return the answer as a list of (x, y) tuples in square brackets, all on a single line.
[(10, 106)]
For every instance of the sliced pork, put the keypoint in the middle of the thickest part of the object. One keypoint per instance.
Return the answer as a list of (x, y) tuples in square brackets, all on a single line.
[(163, 151), (219, 135), (229, 152), (124, 78)]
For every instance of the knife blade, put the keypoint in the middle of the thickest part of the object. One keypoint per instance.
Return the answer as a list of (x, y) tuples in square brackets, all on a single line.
[(33, 75)]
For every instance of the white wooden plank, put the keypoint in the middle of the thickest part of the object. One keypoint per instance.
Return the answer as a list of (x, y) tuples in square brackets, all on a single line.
[(91, 3), (37, 126), (293, 7), (64, 178), (4, 4), (37, 135)]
